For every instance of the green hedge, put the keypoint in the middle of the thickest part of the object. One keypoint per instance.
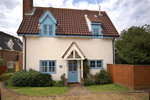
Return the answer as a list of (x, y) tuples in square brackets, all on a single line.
[(30, 79), (5, 77)]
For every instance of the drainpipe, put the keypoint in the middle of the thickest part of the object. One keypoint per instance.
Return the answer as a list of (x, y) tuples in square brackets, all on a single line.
[(25, 53), (113, 47)]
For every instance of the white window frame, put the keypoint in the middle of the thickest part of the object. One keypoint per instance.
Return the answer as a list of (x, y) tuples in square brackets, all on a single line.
[(10, 64)]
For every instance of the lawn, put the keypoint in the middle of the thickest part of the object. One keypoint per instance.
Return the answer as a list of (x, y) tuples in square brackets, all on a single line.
[(107, 88), (8, 74), (39, 91)]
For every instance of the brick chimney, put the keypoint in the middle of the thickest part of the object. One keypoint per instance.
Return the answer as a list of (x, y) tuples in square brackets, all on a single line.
[(27, 6)]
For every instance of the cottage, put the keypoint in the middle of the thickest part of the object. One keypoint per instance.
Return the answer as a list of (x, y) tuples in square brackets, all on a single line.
[(57, 40)]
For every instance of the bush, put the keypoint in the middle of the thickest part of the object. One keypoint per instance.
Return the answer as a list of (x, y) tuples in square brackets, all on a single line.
[(59, 83), (5, 77), (103, 78), (88, 82), (30, 79), (8, 70)]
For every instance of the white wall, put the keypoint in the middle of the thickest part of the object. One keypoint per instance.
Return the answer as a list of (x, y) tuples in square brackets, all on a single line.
[(49, 48)]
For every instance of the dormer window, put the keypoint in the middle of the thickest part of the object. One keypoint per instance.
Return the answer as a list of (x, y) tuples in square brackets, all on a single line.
[(48, 25)]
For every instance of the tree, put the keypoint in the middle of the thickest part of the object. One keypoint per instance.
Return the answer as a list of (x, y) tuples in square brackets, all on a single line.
[(133, 47)]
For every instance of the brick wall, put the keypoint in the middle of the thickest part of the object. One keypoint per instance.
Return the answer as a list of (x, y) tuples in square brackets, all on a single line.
[(9, 56), (131, 76)]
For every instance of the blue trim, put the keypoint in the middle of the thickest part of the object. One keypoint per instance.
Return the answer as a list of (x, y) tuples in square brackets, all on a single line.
[(96, 23), (45, 15), (72, 36), (48, 66), (96, 64)]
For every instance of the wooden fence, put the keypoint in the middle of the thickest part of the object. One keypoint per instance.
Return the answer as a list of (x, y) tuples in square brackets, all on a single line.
[(136, 77), (3, 69)]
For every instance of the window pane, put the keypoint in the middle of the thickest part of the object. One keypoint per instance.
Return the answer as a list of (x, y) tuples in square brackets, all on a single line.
[(50, 27), (50, 32), (45, 29), (45, 63), (53, 69), (45, 69), (53, 64), (70, 68), (93, 64), (42, 63), (42, 69), (98, 63), (50, 63), (50, 70), (75, 68), (95, 31)]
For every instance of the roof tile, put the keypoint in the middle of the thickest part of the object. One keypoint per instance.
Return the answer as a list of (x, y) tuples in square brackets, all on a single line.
[(69, 21)]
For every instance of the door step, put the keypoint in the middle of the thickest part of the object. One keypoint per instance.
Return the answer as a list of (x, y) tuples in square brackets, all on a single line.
[(74, 84)]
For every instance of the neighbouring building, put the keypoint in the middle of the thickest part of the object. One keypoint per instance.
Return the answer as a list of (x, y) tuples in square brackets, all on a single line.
[(10, 47)]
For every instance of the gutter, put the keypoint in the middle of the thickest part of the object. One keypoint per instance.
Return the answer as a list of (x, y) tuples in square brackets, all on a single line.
[(25, 53), (113, 48)]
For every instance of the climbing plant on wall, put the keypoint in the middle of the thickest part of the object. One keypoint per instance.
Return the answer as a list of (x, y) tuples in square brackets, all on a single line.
[(86, 68)]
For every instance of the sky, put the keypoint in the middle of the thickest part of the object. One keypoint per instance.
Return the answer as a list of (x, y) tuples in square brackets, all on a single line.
[(123, 13)]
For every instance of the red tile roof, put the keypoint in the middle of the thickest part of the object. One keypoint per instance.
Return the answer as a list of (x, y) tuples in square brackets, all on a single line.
[(69, 21)]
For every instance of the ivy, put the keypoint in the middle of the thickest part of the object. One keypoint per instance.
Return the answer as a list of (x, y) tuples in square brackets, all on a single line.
[(86, 68)]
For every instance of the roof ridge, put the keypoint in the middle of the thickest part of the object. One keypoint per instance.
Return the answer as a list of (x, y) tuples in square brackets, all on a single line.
[(68, 9)]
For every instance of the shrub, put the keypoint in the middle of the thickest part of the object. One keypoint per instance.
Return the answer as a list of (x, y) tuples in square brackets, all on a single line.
[(59, 83), (8, 70), (5, 77), (103, 78), (88, 82), (30, 79)]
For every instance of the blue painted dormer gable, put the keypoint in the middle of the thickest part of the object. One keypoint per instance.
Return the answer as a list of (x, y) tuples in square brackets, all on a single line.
[(48, 25), (96, 30)]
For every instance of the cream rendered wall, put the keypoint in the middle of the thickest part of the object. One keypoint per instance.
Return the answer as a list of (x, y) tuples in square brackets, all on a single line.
[(49, 48)]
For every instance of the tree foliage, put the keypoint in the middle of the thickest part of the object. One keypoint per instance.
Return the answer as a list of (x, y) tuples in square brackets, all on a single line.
[(133, 47)]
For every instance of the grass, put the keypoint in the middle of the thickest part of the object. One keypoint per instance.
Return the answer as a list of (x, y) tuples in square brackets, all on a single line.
[(38, 91), (107, 88)]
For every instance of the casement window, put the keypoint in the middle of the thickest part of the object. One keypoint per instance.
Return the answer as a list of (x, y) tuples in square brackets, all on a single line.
[(96, 64), (10, 64), (48, 30), (48, 66), (96, 31)]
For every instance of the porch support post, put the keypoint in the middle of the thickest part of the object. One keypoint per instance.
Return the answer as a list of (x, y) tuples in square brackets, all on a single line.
[(82, 79), (66, 74)]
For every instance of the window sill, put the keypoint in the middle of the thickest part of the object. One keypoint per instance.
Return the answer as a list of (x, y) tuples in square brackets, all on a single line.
[(96, 68), (49, 72)]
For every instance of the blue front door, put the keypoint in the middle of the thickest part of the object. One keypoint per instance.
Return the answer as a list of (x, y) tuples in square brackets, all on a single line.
[(72, 71)]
